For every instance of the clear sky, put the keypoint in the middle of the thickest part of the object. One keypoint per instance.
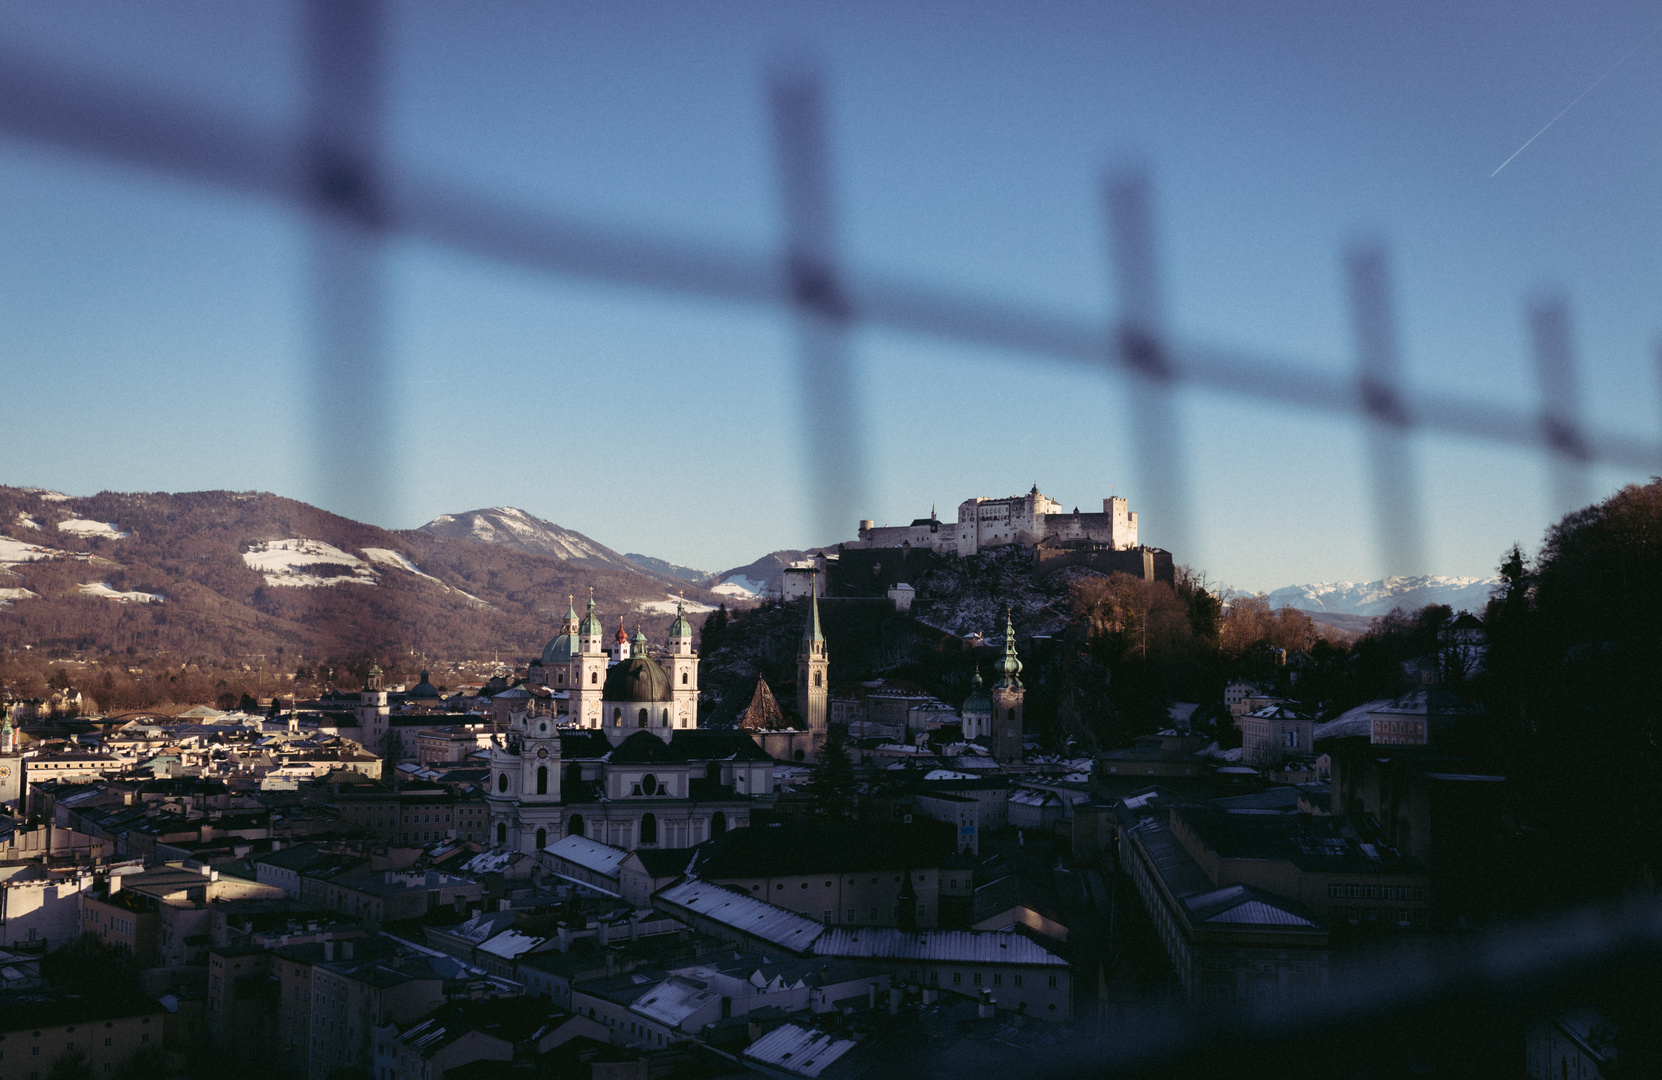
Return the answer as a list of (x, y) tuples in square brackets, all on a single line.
[(154, 331)]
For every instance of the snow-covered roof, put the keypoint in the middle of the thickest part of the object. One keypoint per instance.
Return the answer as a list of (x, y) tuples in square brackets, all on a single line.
[(744, 913), (1350, 723), (510, 944), (589, 854), (940, 946), (800, 1050), (672, 1001), (1238, 905)]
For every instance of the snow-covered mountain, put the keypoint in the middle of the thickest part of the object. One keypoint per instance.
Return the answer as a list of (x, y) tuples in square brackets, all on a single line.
[(1379, 597), (512, 527)]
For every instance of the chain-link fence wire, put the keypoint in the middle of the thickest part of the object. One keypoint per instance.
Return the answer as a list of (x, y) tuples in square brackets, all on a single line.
[(334, 170)]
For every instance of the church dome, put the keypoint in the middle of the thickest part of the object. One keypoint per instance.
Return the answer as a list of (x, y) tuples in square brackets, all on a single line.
[(636, 679), (424, 689), (558, 651), (978, 701)]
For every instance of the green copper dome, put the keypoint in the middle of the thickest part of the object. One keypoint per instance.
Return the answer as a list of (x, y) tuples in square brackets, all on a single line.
[(637, 679), (591, 621), (978, 701), (637, 644), (680, 628), (559, 650)]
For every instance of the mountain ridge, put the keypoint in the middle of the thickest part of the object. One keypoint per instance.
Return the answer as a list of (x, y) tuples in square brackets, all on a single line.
[(1380, 597), (232, 574)]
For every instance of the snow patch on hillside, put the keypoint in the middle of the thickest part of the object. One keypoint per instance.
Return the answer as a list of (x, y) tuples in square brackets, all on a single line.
[(285, 562), (13, 552), (8, 595), (103, 589), (83, 527), (48, 496), (667, 607), (740, 588), (26, 521), (389, 557)]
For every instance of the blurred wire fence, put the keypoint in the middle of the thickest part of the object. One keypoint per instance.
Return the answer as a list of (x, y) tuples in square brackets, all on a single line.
[(335, 171)]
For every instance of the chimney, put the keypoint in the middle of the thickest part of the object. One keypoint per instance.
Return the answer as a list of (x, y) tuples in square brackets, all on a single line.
[(871, 996), (894, 1000), (930, 994), (328, 950), (986, 1007), (346, 950), (115, 884), (611, 962)]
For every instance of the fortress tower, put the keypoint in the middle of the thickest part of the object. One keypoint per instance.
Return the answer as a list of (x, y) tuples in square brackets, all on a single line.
[(1008, 694)]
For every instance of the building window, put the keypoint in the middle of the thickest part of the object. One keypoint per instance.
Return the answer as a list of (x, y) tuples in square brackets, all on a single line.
[(1018, 978), (649, 784), (1053, 982), (683, 678), (542, 782), (975, 978), (957, 978), (542, 839), (998, 980), (502, 781), (575, 826), (501, 832), (649, 829)]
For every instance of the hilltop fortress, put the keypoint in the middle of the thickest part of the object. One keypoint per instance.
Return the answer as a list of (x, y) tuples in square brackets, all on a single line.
[(1026, 519), (1106, 542)]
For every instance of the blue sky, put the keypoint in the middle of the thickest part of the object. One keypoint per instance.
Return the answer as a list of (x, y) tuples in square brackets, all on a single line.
[(155, 331)]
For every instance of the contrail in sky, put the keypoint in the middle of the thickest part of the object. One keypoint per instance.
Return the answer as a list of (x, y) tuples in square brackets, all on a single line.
[(1576, 102)]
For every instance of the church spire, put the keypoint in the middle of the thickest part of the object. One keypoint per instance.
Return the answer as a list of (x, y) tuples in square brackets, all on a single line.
[(1010, 666), (810, 630)]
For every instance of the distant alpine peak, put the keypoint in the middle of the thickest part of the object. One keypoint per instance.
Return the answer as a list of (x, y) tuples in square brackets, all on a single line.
[(1380, 597), (512, 527)]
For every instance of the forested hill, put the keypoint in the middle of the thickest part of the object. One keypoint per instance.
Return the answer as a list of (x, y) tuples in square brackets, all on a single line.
[(226, 575)]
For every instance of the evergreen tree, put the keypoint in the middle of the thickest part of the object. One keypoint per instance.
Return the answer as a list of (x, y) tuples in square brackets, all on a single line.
[(714, 630), (834, 788)]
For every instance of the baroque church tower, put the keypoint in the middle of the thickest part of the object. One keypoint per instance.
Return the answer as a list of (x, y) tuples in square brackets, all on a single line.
[(682, 664), (813, 688), (1008, 693), (588, 670)]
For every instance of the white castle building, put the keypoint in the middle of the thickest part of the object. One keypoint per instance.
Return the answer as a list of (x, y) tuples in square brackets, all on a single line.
[(1018, 519)]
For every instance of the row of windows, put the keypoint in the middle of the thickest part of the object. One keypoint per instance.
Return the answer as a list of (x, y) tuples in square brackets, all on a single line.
[(1377, 892), (975, 978), (1337, 913)]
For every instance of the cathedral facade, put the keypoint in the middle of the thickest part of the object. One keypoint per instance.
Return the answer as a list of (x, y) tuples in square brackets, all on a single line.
[(626, 764)]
